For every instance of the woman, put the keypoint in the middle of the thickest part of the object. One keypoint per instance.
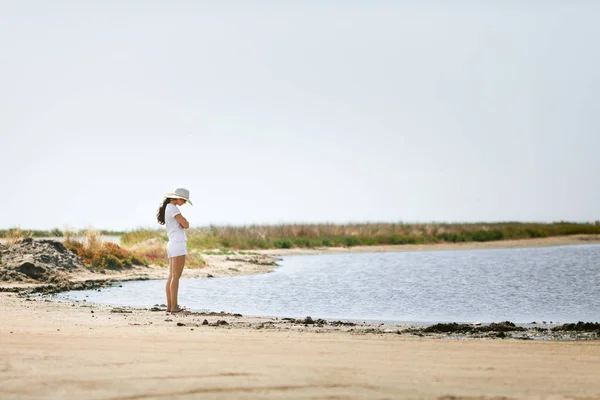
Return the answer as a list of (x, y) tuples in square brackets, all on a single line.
[(169, 215)]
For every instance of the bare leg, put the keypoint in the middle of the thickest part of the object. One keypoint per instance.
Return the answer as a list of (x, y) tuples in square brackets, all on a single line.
[(168, 286), (176, 270)]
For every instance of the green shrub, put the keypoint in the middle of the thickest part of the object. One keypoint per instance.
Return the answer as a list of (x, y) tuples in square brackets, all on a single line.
[(486, 236), (303, 242), (536, 233), (452, 237), (350, 241), (282, 244), (107, 261)]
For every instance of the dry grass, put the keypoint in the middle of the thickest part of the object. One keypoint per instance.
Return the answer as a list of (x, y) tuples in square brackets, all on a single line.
[(154, 250), (366, 234), (194, 260), (100, 255), (15, 236)]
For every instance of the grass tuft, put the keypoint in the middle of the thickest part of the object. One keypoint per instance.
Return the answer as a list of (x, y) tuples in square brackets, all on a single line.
[(154, 251), (14, 236), (142, 235), (98, 255)]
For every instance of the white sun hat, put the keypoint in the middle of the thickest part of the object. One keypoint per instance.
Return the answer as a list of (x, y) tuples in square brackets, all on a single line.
[(180, 193)]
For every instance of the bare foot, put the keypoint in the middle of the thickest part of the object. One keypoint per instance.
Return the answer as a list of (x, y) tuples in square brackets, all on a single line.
[(179, 310)]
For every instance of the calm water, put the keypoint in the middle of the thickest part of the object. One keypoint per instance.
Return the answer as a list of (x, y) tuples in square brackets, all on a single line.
[(559, 284)]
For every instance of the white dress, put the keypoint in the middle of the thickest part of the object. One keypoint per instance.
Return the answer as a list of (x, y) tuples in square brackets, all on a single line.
[(177, 245)]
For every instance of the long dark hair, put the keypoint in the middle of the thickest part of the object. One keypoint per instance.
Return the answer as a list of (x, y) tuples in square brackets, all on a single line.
[(160, 214)]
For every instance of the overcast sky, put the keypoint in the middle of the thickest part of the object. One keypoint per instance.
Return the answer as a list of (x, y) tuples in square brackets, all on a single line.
[(298, 111)]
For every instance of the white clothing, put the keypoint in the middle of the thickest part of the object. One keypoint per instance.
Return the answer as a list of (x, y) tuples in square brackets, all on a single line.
[(177, 238), (174, 230), (175, 249)]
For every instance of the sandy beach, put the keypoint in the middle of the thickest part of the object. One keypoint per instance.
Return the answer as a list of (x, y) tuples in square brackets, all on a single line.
[(56, 349), (60, 350)]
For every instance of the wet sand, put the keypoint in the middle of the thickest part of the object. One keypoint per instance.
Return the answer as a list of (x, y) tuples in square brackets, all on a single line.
[(60, 350)]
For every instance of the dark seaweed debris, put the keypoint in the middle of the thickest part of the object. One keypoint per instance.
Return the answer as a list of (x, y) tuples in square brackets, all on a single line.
[(306, 321), (453, 327), (59, 286), (579, 327)]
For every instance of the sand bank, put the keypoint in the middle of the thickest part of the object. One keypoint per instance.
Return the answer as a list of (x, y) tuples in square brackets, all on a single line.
[(61, 350), (501, 244)]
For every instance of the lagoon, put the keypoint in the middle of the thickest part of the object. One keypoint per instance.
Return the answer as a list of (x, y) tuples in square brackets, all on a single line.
[(558, 284)]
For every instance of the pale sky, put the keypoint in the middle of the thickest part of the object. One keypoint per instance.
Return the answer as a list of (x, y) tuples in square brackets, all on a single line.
[(298, 111)]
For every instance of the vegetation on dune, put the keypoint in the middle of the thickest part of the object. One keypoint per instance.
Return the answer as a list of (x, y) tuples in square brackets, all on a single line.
[(99, 255), (153, 250), (194, 260), (145, 246), (142, 235), (14, 236), (365, 234)]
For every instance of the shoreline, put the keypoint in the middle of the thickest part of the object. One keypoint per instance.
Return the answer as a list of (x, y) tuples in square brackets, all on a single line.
[(132, 353), (241, 263), (539, 331), (570, 240), (258, 262), (136, 353), (265, 261), (251, 262), (82, 279)]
